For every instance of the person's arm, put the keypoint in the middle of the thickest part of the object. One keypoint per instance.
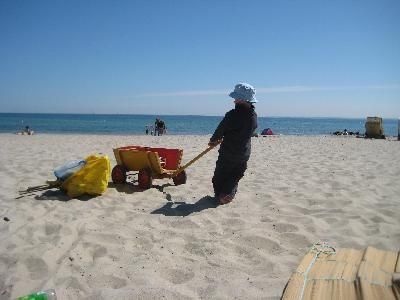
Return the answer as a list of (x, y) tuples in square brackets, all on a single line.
[(213, 144), (219, 131), (255, 123)]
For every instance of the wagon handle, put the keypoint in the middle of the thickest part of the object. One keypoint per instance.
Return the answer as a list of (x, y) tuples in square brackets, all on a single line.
[(180, 169)]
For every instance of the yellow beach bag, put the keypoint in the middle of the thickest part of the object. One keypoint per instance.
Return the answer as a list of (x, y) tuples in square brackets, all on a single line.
[(92, 179)]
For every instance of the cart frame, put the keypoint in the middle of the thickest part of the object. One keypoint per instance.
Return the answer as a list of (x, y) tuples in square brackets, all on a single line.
[(152, 163)]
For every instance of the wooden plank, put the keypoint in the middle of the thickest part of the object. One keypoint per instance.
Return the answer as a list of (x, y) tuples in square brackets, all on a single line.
[(374, 277)]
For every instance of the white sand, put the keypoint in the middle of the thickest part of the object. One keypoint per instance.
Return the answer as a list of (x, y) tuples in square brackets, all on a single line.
[(170, 241)]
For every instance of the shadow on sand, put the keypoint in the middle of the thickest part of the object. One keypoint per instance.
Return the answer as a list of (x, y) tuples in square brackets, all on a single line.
[(171, 208), (55, 193), (61, 196), (184, 209)]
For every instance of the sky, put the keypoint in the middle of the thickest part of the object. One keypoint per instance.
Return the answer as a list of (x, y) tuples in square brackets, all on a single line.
[(182, 57)]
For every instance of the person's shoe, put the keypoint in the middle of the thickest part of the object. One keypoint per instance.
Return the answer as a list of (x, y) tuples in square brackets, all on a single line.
[(225, 199)]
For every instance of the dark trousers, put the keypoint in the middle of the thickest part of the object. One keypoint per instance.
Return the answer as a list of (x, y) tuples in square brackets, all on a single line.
[(226, 176)]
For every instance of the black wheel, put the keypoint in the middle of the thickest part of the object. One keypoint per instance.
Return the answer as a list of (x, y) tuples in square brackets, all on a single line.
[(118, 174), (180, 178), (145, 179)]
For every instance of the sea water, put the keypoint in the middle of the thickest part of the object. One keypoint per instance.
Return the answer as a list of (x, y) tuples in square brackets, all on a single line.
[(176, 125)]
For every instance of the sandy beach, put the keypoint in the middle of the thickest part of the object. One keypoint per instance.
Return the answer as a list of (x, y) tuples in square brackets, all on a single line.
[(173, 242)]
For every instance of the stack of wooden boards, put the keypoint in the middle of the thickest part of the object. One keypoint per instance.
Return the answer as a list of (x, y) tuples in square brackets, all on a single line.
[(327, 273)]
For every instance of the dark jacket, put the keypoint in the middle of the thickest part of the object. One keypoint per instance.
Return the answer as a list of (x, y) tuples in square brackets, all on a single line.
[(236, 129)]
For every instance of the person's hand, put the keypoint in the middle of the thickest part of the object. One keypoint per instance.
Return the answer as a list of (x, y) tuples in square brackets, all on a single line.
[(213, 143)]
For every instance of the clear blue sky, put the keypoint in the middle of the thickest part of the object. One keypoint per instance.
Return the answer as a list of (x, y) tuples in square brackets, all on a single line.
[(305, 58)]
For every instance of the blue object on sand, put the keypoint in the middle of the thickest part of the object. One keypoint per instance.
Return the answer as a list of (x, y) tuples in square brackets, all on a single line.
[(68, 169)]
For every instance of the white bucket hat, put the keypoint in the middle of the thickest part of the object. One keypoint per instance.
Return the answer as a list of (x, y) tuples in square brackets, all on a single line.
[(244, 91)]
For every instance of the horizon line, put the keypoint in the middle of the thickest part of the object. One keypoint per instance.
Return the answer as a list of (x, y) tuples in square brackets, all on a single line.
[(192, 115), (268, 90)]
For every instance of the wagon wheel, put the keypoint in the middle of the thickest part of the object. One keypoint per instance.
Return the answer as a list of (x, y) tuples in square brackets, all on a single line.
[(118, 174), (145, 179), (180, 178)]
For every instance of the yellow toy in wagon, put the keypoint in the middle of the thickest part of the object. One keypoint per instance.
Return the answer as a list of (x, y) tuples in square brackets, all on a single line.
[(152, 163)]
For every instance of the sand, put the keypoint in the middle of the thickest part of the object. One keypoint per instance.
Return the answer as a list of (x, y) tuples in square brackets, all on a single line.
[(173, 242)]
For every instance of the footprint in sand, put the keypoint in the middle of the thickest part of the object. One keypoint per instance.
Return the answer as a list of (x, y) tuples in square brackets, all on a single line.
[(37, 267), (139, 243), (251, 260), (208, 291), (267, 204), (107, 238), (106, 281), (299, 240), (70, 283), (232, 222), (187, 224), (299, 210), (388, 213), (265, 220), (335, 222), (177, 276), (328, 195), (259, 242), (52, 229), (99, 251), (233, 214), (285, 227), (200, 248), (377, 219)]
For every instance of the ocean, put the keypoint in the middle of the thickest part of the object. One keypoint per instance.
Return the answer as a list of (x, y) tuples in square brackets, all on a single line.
[(176, 125)]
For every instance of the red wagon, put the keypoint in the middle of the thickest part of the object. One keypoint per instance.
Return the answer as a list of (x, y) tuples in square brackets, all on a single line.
[(152, 163)]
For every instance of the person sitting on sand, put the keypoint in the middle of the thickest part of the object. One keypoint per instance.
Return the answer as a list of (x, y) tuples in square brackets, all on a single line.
[(235, 131)]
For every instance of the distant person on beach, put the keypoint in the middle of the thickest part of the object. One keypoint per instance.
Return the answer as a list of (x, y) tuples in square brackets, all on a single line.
[(161, 127), (235, 132), (147, 130), (156, 126), (26, 131)]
